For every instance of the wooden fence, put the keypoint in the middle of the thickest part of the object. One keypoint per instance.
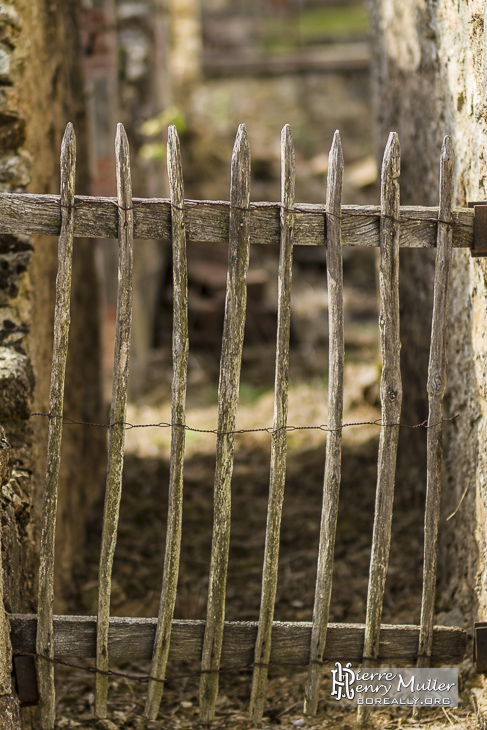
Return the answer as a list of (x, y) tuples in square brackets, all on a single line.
[(214, 642)]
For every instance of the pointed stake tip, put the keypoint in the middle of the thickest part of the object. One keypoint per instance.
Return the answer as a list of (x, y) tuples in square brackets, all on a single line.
[(286, 135), (121, 134), (393, 142), (391, 160), (241, 133), (69, 137), (172, 134), (241, 140), (336, 146), (121, 141), (447, 149)]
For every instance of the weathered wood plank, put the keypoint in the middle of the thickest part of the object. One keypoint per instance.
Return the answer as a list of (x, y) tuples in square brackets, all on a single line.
[(118, 411), (207, 221), (228, 390), (279, 437), (333, 57), (62, 320), (391, 400), (332, 478), (133, 639), (436, 390), (179, 383)]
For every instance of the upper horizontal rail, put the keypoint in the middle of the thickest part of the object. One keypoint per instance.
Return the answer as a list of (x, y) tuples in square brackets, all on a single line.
[(207, 221)]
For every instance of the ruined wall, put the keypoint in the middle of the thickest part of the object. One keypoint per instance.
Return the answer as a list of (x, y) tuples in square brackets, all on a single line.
[(430, 75), (40, 91)]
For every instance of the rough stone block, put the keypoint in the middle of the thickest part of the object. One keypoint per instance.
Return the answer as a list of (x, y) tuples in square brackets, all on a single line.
[(15, 169), (5, 459), (6, 66), (16, 385), (14, 242), (10, 25), (12, 132), (10, 17), (12, 120), (12, 266)]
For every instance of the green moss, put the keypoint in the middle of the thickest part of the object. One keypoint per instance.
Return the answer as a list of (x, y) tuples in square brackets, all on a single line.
[(348, 21), (332, 24), (250, 394)]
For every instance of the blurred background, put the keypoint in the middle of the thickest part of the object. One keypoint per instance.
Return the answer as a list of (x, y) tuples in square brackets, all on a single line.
[(207, 66)]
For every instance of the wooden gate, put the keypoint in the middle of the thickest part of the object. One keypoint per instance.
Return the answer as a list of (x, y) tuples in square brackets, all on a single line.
[(239, 223)]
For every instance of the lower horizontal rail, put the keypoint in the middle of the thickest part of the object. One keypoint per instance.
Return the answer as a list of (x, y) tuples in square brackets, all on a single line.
[(133, 639)]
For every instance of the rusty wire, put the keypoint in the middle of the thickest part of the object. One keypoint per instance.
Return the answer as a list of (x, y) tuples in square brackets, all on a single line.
[(357, 213), (145, 678), (261, 429)]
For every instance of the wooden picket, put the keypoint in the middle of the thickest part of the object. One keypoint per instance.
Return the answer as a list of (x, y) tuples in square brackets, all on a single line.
[(436, 390), (228, 390), (391, 399), (180, 368), (117, 413), (45, 635), (331, 487), (263, 644), (215, 642)]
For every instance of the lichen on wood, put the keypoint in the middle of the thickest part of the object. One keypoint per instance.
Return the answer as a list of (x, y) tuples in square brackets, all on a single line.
[(228, 390), (117, 413), (44, 645), (180, 346), (332, 477), (436, 389), (279, 436)]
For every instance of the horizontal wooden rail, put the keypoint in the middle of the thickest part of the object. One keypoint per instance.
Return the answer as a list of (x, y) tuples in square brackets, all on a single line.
[(133, 639), (208, 221), (332, 58)]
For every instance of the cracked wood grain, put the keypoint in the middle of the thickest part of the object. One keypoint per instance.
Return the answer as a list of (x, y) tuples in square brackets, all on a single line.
[(279, 437), (116, 443), (228, 391), (180, 368), (62, 319), (332, 478)]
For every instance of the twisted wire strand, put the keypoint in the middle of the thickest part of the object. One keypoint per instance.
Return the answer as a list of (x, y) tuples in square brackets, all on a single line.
[(260, 429)]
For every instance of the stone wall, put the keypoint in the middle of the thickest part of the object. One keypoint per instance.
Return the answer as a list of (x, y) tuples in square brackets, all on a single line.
[(430, 64), (40, 91)]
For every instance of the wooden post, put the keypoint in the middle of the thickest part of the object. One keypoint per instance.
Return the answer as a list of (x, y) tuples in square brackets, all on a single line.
[(436, 390), (180, 367), (228, 391), (391, 400), (331, 486), (279, 436), (45, 644), (117, 413)]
